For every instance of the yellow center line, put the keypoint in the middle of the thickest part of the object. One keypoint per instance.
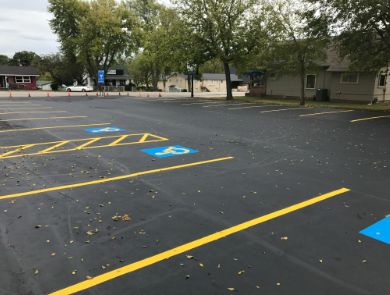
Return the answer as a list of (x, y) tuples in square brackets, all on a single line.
[(33, 112), (326, 113), (370, 118), (108, 276), (53, 127), (48, 118), (283, 110), (105, 180)]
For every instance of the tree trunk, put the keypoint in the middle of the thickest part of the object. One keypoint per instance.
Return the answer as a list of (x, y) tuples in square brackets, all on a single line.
[(229, 93), (302, 83)]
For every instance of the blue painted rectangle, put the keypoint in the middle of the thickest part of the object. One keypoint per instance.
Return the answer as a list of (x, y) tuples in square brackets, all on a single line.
[(101, 77), (379, 231), (104, 130), (169, 151)]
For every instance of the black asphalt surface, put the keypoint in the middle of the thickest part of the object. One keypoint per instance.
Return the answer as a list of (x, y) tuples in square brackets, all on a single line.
[(52, 240)]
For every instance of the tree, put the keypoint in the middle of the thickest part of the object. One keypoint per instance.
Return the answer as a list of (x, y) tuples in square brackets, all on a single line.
[(95, 32), (361, 29), (24, 58), (61, 69), (4, 60), (228, 29), (299, 41)]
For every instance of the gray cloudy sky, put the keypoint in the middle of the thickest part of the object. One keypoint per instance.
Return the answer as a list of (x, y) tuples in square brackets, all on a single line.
[(24, 25)]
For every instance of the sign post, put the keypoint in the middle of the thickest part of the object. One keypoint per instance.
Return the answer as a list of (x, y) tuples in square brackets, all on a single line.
[(101, 79)]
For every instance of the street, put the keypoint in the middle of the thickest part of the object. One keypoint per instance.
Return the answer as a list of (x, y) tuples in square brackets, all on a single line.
[(143, 195)]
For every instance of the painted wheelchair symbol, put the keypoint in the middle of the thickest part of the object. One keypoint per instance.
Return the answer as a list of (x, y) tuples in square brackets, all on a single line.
[(173, 150), (169, 151), (107, 129)]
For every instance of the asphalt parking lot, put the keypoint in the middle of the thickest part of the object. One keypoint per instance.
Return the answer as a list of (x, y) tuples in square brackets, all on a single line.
[(147, 196)]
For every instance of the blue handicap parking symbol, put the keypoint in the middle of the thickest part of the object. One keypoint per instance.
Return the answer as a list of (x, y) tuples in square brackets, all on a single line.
[(104, 130), (169, 151), (379, 231)]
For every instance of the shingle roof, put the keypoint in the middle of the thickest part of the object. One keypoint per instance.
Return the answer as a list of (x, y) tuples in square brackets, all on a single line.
[(15, 70), (334, 62), (220, 77)]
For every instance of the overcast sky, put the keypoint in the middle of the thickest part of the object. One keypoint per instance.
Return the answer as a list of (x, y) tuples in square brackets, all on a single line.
[(24, 25)]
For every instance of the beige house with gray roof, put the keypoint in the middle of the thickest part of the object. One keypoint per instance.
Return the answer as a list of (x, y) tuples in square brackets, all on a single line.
[(335, 76)]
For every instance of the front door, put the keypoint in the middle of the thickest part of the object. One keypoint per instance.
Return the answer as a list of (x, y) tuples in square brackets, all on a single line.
[(2, 82)]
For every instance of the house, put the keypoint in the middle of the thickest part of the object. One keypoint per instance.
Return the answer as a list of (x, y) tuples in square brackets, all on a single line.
[(15, 77), (209, 82), (116, 78), (336, 78)]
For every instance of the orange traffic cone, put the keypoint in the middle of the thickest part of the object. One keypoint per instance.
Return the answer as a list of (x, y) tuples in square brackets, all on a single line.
[(159, 95), (10, 94), (47, 94), (97, 93), (86, 93), (69, 94)]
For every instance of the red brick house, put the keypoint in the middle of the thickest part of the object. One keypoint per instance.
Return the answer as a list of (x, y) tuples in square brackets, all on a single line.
[(14, 77)]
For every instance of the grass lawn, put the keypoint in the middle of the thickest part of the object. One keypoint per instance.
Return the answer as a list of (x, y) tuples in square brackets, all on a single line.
[(319, 104)]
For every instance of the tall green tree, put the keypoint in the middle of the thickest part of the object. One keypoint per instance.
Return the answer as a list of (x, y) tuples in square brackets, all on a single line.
[(299, 41), (228, 30), (361, 29), (24, 58), (4, 60), (94, 32)]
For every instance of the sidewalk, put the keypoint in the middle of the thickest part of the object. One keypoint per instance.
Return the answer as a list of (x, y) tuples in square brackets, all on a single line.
[(39, 93)]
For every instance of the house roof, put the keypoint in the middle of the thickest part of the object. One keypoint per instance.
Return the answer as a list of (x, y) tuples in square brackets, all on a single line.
[(220, 77), (18, 71), (335, 62)]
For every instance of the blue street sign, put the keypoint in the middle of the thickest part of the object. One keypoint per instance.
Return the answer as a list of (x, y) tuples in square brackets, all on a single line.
[(379, 231), (169, 151), (101, 77), (104, 130)]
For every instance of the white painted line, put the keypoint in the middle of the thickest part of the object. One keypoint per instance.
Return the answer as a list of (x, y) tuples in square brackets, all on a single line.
[(325, 113), (284, 110), (228, 104), (252, 107), (199, 103)]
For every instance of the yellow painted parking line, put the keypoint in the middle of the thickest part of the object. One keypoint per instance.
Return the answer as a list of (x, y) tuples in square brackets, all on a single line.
[(106, 180), (228, 105), (69, 145), (108, 276), (48, 118), (33, 112), (284, 110), (52, 127), (253, 107), (370, 118), (326, 113)]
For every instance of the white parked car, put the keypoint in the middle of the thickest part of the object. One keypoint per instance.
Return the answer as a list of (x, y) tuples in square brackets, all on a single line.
[(79, 88)]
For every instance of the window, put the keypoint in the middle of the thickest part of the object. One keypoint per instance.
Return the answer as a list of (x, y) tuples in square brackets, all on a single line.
[(349, 78), (382, 79), (310, 81), (22, 79)]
